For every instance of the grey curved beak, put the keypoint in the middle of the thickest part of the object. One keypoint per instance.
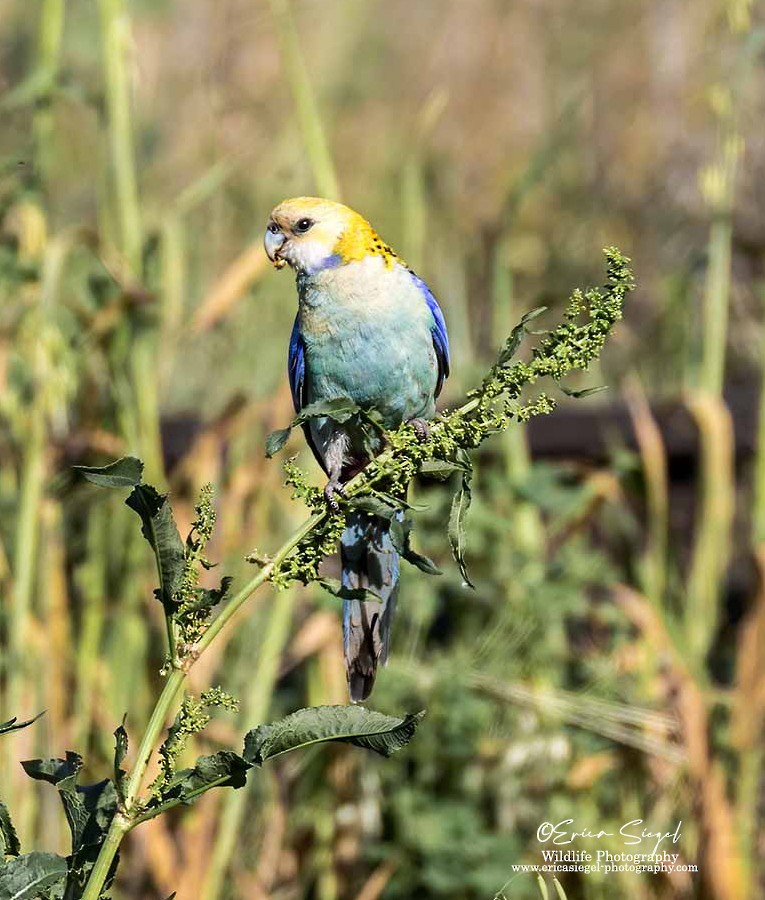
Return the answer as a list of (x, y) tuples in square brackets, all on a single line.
[(273, 243)]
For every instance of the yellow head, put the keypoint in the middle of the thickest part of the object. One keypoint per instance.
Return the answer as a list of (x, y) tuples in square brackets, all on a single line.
[(311, 234)]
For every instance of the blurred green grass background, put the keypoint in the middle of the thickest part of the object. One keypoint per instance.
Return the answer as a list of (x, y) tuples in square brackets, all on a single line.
[(609, 665)]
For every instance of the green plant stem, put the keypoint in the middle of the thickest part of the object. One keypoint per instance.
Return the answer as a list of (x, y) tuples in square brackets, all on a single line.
[(714, 521), (103, 864), (143, 353), (27, 533), (758, 511), (717, 290), (187, 798), (748, 796), (49, 54), (123, 821), (24, 570), (308, 113), (154, 728), (114, 22)]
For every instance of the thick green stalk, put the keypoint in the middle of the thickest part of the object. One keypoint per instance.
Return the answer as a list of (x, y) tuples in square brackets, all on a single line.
[(51, 32), (154, 728), (103, 864), (27, 534), (123, 821), (309, 115), (24, 572), (714, 521), (758, 511), (143, 352), (49, 54), (654, 461), (748, 796), (115, 26)]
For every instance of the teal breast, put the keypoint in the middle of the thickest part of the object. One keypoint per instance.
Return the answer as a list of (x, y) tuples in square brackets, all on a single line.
[(368, 336)]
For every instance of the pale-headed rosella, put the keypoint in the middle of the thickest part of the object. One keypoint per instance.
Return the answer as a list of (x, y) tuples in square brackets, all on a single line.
[(369, 330)]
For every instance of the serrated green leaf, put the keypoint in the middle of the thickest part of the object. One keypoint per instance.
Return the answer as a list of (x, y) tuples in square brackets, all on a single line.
[(400, 529), (124, 472), (276, 440), (222, 769), (14, 725), (586, 392), (8, 836), (439, 469), (26, 877), (89, 809), (159, 528), (100, 801), (339, 410), (401, 537), (533, 314), (375, 506), (420, 561), (344, 724), (517, 334), (400, 503), (207, 598), (63, 774), (456, 529)]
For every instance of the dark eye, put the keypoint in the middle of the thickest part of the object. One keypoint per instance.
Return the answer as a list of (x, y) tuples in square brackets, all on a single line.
[(273, 227), (302, 225)]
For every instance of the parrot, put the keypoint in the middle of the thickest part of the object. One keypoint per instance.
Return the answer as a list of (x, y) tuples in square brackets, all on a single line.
[(368, 330)]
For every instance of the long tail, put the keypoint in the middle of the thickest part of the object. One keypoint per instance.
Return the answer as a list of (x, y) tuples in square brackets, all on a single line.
[(369, 561)]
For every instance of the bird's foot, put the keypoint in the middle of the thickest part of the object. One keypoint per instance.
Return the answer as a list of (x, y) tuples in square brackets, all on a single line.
[(421, 429), (333, 487)]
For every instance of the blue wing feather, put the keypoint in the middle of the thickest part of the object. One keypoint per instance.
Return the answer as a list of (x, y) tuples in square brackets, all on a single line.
[(440, 336), (298, 384), (296, 366)]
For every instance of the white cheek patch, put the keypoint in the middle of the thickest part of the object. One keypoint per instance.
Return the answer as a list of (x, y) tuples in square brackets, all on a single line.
[(310, 255)]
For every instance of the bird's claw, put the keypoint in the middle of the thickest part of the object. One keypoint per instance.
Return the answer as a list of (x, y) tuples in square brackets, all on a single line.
[(421, 429), (331, 488)]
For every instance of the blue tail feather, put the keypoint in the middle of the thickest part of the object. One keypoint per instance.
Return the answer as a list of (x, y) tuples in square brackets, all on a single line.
[(369, 561)]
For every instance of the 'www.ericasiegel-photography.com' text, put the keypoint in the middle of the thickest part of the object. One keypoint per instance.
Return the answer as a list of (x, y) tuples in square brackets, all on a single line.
[(606, 862)]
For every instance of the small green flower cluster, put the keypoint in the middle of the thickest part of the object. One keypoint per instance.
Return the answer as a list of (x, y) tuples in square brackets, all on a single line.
[(491, 408), (192, 718), (194, 605)]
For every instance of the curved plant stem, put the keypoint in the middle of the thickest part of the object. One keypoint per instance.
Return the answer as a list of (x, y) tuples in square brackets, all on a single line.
[(103, 864)]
